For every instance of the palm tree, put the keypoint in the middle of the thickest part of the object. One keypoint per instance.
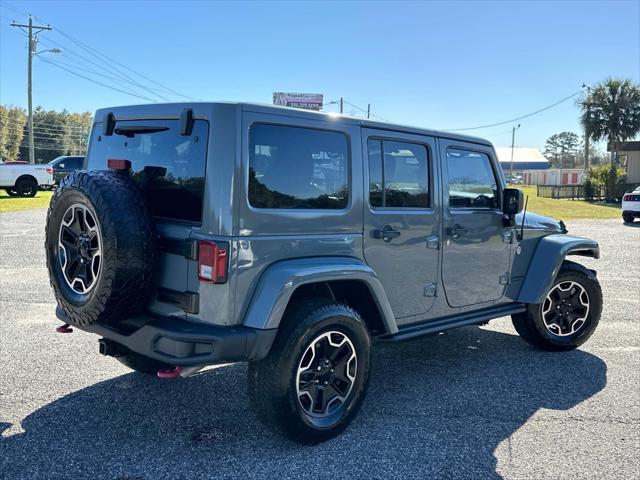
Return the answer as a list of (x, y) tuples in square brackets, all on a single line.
[(611, 111)]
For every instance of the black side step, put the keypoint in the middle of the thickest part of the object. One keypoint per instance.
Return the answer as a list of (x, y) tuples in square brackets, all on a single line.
[(446, 323)]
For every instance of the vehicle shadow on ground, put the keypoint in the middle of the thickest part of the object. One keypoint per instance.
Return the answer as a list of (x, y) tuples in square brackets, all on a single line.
[(437, 408)]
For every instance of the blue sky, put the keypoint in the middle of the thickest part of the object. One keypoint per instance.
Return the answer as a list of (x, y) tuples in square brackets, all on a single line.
[(442, 65)]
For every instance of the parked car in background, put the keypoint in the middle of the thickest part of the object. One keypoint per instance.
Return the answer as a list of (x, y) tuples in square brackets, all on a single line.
[(22, 180), (631, 206), (516, 180), (63, 166)]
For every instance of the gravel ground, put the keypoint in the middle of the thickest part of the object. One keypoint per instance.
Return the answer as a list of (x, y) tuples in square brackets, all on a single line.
[(469, 403)]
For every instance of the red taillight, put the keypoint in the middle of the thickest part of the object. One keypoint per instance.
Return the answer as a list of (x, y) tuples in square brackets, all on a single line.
[(116, 164), (212, 261), (50, 170)]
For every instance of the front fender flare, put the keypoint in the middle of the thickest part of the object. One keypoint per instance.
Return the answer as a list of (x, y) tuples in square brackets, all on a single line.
[(280, 280), (546, 261)]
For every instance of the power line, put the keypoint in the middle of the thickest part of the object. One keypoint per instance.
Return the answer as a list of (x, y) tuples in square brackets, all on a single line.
[(56, 129), (518, 118), (57, 124), (115, 79), (80, 127), (15, 10), (120, 81), (126, 77), (87, 47), (97, 82), (366, 111), (115, 70), (44, 136)]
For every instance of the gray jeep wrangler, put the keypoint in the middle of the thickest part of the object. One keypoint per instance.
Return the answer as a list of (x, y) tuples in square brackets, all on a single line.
[(209, 233)]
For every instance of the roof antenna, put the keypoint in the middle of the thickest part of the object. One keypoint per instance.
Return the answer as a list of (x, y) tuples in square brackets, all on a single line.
[(524, 216)]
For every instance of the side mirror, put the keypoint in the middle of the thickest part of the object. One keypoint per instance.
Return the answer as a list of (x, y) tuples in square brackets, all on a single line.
[(512, 201)]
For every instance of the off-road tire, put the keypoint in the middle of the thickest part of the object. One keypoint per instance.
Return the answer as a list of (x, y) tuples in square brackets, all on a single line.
[(272, 381), (140, 363), (627, 218), (124, 283), (530, 324), (26, 187)]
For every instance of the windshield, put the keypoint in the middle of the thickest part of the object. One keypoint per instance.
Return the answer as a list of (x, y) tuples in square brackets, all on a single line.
[(169, 167)]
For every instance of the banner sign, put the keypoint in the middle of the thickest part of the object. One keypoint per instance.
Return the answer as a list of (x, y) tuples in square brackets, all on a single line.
[(310, 101)]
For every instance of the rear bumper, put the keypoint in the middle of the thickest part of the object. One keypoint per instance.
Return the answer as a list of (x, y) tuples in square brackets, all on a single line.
[(183, 343)]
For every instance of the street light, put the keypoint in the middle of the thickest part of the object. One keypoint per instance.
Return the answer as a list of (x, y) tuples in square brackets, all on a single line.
[(52, 50), (513, 139)]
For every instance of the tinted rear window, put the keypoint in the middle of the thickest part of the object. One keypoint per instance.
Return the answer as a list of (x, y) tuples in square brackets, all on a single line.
[(168, 166)]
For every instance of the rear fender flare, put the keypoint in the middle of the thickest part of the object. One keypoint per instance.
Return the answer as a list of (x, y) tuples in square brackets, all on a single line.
[(547, 260), (280, 280)]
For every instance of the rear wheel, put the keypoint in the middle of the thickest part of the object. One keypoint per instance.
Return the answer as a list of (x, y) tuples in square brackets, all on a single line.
[(26, 187), (100, 247), (313, 381), (569, 314), (627, 218)]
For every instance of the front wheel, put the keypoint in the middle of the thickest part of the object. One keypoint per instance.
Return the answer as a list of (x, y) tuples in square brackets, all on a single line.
[(569, 314), (313, 381)]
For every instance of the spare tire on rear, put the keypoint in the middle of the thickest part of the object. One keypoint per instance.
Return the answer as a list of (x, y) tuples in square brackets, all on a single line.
[(100, 247)]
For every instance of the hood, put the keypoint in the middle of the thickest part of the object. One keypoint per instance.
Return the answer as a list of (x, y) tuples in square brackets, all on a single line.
[(533, 221)]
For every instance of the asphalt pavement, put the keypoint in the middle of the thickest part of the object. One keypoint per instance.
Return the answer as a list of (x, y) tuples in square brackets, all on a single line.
[(469, 403)]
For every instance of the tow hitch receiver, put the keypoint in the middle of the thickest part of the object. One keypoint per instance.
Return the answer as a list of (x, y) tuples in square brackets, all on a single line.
[(169, 372), (66, 328)]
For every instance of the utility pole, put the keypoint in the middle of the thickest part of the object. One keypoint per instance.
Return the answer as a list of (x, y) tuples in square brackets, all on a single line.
[(33, 42), (368, 110), (513, 142), (341, 104), (586, 131)]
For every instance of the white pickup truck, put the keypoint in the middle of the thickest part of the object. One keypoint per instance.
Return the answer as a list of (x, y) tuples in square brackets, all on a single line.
[(22, 180)]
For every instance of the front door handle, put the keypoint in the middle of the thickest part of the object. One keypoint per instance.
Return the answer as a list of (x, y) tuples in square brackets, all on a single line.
[(386, 233), (456, 231)]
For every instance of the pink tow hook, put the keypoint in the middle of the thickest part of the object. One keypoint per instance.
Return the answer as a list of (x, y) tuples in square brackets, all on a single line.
[(169, 372), (66, 328)]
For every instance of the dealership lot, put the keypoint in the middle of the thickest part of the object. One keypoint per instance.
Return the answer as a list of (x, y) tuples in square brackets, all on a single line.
[(469, 403)]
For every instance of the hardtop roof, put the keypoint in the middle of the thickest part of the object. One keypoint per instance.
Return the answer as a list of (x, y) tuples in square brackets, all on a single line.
[(160, 109)]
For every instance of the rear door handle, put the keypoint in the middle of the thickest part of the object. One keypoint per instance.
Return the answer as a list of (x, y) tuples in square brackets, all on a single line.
[(386, 233), (456, 231)]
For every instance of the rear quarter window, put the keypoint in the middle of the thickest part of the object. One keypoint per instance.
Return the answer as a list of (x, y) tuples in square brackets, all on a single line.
[(169, 167), (297, 168)]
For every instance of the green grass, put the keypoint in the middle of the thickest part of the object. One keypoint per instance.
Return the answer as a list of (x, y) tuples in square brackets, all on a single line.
[(559, 209), (568, 209), (13, 204)]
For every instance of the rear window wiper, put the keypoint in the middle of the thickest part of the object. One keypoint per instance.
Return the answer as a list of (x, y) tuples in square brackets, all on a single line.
[(132, 130)]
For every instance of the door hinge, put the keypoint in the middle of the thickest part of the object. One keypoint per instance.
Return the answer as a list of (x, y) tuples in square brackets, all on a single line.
[(433, 242), (430, 290), (504, 279), (507, 236)]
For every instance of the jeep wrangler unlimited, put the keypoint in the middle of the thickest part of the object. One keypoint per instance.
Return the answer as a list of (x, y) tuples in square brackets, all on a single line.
[(209, 233)]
